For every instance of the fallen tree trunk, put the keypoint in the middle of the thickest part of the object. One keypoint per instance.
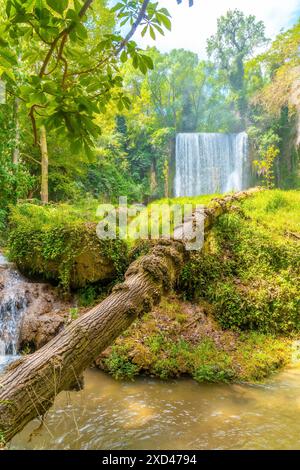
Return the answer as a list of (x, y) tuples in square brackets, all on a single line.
[(30, 385)]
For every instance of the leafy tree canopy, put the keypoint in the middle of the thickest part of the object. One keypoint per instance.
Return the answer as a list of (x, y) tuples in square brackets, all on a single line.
[(62, 59)]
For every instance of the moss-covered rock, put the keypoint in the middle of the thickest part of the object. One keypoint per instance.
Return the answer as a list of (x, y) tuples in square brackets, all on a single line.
[(54, 244), (183, 338)]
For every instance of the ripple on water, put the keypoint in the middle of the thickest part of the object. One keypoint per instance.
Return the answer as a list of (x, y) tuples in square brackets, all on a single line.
[(145, 414)]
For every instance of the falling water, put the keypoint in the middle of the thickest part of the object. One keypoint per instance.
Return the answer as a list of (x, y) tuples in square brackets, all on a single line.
[(13, 302), (208, 163)]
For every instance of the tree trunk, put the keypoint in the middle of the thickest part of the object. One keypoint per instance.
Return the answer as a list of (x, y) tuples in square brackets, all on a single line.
[(166, 178), (16, 152), (30, 385), (44, 165), (153, 181)]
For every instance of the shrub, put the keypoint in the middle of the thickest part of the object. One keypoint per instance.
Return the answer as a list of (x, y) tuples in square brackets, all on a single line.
[(119, 365), (248, 271)]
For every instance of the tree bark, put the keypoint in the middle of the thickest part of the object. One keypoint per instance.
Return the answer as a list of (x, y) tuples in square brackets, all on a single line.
[(44, 165), (166, 178), (30, 385), (16, 151)]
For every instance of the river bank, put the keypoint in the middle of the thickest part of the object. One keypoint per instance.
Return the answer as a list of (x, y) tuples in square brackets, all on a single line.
[(233, 316), (181, 338)]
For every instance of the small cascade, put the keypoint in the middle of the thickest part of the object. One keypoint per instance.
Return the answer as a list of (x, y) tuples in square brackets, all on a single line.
[(13, 303), (208, 163), (30, 312), (3, 260)]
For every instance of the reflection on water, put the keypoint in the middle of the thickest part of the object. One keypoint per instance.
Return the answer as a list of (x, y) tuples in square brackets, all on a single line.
[(148, 414)]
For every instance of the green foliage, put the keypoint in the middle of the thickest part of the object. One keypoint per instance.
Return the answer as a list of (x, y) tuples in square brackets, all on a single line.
[(76, 83), (87, 296), (108, 180), (119, 366), (74, 313), (236, 39), (249, 271), (267, 147), (277, 104), (62, 61), (15, 182), (110, 127), (281, 60), (278, 201), (278, 211), (50, 241), (211, 364), (170, 343)]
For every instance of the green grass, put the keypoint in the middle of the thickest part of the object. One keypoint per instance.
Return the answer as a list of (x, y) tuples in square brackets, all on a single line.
[(42, 216), (147, 223), (276, 209), (59, 243), (250, 267)]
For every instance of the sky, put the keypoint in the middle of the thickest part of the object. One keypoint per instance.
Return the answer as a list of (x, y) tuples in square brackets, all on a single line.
[(192, 26)]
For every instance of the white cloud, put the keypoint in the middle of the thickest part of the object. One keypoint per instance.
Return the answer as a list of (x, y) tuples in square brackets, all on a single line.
[(192, 26)]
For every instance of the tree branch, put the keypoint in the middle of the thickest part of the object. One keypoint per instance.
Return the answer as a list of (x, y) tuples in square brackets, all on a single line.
[(63, 35), (33, 122), (39, 35), (92, 69), (135, 25), (25, 155)]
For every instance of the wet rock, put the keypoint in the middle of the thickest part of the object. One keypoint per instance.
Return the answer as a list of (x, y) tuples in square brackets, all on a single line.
[(36, 331), (31, 313), (44, 318)]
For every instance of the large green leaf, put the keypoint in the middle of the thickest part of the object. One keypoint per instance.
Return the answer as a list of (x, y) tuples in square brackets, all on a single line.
[(58, 5), (9, 57)]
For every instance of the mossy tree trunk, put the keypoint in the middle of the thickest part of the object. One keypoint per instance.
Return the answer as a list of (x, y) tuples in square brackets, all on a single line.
[(30, 385), (29, 388)]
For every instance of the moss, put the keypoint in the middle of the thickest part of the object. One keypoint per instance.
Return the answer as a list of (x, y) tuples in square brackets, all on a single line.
[(119, 365), (249, 269), (179, 338), (58, 245)]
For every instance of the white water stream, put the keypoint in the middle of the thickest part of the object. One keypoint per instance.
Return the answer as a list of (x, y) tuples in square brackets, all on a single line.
[(13, 303), (208, 163)]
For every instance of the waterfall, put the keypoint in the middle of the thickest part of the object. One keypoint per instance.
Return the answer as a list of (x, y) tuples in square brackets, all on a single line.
[(208, 163), (13, 303)]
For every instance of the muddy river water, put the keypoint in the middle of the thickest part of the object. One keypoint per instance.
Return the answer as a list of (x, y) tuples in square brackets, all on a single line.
[(181, 414)]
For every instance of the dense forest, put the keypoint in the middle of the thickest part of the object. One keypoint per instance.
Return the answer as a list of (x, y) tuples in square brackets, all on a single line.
[(110, 127), (87, 117)]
